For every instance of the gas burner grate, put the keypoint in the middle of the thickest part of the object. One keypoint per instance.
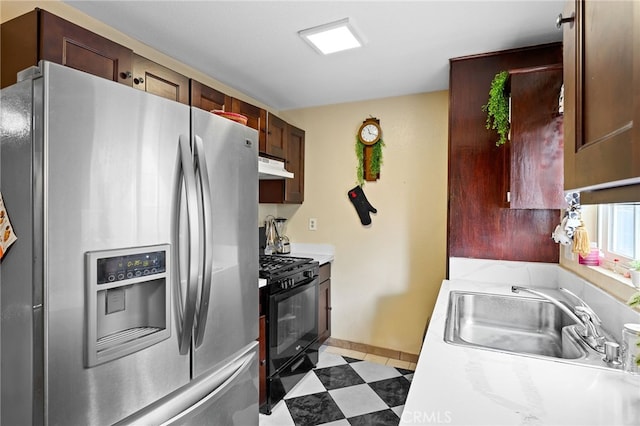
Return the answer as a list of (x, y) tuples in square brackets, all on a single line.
[(273, 265)]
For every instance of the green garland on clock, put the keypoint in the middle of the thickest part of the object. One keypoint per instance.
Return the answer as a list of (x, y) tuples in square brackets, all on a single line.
[(376, 159)]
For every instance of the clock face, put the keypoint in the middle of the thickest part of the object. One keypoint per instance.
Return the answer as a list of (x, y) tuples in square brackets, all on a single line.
[(369, 133)]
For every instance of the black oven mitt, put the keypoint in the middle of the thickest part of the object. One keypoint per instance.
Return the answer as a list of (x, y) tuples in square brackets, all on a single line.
[(362, 205)]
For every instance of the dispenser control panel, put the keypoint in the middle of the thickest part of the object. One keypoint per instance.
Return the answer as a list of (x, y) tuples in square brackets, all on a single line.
[(127, 301), (118, 268)]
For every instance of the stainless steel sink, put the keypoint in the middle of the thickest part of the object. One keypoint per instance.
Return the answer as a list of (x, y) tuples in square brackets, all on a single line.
[(519, 325)]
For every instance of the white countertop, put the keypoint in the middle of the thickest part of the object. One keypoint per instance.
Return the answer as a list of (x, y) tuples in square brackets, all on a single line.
[(322, 253), (466, 386)]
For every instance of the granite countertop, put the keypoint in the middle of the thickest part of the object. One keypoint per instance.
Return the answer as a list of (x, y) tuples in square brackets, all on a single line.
[(465, 386)]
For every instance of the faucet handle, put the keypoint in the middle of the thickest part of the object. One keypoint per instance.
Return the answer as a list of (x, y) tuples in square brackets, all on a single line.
[(594, 317), (587, 314)]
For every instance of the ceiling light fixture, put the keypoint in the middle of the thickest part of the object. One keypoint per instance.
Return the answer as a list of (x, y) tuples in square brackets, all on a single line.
[(332, 37)]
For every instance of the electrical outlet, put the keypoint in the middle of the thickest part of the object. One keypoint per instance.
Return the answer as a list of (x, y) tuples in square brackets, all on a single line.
[(313, 224)]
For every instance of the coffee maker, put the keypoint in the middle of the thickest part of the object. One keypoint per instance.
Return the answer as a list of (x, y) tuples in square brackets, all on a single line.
[(277, 242)]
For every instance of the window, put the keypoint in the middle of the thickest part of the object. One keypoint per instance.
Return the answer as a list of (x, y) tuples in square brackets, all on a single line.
[(619, 231)]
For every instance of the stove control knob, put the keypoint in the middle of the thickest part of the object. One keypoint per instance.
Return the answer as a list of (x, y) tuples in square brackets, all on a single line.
[(308, 274)]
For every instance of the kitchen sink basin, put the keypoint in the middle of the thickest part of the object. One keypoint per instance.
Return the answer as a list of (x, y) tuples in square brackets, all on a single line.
[(512, 324)]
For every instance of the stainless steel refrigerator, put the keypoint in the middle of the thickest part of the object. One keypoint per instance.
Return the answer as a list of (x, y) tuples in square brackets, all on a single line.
[(131, 293)]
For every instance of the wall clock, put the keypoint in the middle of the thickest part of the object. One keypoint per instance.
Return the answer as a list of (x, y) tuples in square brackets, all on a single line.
[(370, 131), (369, 150)]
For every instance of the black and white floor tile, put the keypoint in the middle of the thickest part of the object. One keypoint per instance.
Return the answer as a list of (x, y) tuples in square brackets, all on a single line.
[(344, 391)]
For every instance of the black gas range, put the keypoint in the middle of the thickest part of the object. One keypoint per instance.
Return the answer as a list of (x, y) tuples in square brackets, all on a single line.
[(286, 272), (290, 303)]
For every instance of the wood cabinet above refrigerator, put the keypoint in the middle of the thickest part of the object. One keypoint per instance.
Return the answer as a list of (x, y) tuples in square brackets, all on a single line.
[(38, 35), (160, 80)]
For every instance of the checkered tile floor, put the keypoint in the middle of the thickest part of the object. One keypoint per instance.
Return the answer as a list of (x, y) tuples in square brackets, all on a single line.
[(344, 391)]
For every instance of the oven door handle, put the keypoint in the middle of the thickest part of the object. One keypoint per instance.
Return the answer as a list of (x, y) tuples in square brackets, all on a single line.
[(207, 252)]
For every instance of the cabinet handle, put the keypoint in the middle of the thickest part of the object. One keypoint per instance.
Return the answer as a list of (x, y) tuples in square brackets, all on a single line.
[(560, 20), (125, 75), (138, 80)]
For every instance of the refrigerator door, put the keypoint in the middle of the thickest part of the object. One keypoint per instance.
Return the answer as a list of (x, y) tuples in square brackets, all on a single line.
[(111, 167), (21, 287), (230, 151), (227, 396)]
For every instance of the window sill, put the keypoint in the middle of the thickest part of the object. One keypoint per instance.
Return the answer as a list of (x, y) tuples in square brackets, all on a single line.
[(615, 284), (613, 275)]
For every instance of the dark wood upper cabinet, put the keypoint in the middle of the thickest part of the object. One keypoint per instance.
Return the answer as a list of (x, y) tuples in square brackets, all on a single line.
[(207, 98), (602, 95), (288, 191), (160, 80), (256, 119), (294, 187), (40, 35), (536, 145), (479, 224), (276, 143)]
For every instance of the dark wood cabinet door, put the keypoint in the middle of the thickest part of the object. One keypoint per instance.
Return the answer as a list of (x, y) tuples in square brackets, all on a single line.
[(262, 359), (288, 191), (256, 119), (41, 35), (602, 92), (276, 145), (324, 303), (207, 98), (536, 146), (160, 80), (294, 188), (18, 46)]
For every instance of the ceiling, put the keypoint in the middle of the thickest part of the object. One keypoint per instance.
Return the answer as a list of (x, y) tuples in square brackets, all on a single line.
[(253, 46)]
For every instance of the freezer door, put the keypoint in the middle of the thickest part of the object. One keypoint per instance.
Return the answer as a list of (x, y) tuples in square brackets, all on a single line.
[(230, 312), (110, 182), (227, 396)]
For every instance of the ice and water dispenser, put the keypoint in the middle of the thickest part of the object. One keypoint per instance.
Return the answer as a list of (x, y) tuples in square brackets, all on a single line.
[(128, 301)]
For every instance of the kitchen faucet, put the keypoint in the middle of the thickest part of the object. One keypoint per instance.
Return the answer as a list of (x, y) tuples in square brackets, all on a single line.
[(582, 315)]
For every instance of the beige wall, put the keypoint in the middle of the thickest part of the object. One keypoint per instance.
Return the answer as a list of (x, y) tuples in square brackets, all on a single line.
[(386, 276)]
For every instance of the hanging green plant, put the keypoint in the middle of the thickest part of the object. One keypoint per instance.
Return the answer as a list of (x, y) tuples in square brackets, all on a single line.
[(376, 159), (497, 108)]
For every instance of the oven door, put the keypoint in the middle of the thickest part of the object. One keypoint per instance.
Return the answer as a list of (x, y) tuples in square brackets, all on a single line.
[(292, 323)]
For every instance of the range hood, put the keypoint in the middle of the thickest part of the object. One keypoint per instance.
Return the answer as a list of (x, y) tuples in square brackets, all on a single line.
[(272, 169)]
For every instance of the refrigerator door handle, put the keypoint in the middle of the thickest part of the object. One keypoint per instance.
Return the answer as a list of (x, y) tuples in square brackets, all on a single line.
[(207, 255), (188, 308), (177, 407), (215, 395)]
